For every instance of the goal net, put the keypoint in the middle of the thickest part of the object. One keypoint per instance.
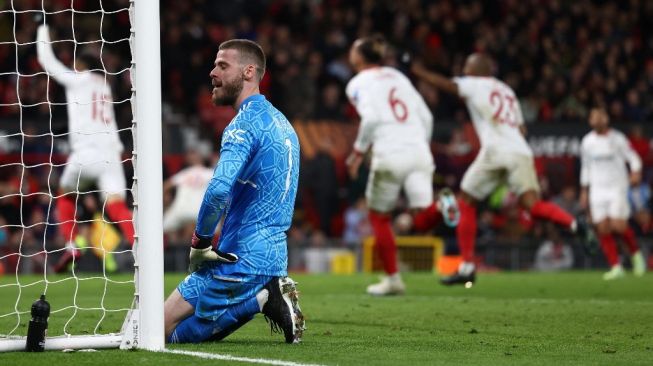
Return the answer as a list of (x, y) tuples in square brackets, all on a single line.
[(80, 167)]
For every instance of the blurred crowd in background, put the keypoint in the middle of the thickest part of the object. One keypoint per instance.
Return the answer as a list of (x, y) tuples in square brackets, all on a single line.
[(560, 57)]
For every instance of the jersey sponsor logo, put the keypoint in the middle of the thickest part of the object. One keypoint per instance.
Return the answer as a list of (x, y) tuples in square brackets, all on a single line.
[(235, 135)]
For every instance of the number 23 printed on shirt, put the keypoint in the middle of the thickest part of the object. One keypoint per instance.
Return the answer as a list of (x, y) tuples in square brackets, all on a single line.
[(503, 107), (399, 109)]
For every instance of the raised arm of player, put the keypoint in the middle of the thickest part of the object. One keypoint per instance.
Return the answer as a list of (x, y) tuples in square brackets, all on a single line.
[(439, 81), (49, 61), (237, 145), (634, 161)]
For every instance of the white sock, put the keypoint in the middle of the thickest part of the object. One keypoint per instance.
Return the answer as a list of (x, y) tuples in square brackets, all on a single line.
[(466, 268), (262, 298), (395, 277)]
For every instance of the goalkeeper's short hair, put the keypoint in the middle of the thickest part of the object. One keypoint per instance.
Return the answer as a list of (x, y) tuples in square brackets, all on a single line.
[(250, 52)]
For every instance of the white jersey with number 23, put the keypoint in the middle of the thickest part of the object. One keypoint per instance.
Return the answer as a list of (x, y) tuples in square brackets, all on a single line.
[(495, 112)]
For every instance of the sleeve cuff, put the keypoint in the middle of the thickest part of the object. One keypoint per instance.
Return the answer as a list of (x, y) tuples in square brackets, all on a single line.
[(200, 242)]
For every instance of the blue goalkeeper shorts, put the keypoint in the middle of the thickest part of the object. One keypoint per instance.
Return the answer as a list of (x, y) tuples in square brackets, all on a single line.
[(211, 293)]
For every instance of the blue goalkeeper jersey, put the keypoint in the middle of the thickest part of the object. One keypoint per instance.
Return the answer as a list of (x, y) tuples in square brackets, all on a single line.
[(254, 187)]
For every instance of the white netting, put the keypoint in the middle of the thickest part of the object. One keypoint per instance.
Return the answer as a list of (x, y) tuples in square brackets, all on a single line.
[(96, 290)]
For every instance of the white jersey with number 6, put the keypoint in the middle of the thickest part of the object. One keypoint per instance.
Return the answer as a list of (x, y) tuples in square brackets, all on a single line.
[(91, 122), (394, 117), (396, 122), (495, 112)]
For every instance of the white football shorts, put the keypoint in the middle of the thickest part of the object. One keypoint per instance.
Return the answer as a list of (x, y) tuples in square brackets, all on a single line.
[(388, 175), (609, 203), (105, 170), (178, 215), (492, 168)]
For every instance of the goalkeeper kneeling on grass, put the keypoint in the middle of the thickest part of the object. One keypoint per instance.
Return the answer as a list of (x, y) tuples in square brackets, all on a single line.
[(253, 187)]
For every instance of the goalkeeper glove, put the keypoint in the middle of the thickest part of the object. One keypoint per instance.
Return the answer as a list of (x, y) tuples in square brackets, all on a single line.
[(201, 251)]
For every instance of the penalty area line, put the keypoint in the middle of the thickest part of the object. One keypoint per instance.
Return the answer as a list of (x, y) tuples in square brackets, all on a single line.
[(216, 356)]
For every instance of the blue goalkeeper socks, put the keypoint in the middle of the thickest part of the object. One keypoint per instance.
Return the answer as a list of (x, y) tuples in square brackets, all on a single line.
[(194, 329)]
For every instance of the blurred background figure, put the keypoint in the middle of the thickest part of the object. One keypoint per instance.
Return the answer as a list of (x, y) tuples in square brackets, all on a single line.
[(553, 254), (604, 180), (189, 185)]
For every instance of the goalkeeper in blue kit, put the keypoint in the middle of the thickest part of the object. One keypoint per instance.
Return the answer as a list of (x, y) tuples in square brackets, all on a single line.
[(253, 190)]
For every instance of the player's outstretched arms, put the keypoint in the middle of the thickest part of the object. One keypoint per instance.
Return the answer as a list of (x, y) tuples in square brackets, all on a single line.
[(439, 81), (201, 251)]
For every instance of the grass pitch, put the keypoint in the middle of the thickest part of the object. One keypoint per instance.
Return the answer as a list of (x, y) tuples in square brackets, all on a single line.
[(507, 318)]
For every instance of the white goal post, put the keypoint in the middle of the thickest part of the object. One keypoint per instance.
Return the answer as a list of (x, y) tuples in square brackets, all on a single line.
[(143, 327)]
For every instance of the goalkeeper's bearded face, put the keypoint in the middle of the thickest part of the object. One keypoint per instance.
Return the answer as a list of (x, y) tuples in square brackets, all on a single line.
[(227, 78)]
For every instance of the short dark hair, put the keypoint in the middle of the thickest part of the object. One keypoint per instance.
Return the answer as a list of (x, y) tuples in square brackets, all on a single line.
[(372, 48), (250, 52)]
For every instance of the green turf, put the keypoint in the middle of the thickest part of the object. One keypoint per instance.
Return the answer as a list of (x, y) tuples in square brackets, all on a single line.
[(509, 318)]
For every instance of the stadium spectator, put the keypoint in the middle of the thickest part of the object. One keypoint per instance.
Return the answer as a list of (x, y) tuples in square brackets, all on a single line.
[(357, 226), (319, 178), (567, 199), (553, 254), (565, 56), (639, 198)]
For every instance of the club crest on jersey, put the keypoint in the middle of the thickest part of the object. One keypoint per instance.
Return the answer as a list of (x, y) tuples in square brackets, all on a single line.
[(234, 135)]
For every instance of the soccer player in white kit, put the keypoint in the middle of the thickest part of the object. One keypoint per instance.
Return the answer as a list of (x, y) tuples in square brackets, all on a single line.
[(605, 181), (504, 157), (397, 125), (94, 141), (190, 184)]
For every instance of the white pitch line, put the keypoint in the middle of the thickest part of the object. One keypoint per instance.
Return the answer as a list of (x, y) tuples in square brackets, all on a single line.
[(215, 356)]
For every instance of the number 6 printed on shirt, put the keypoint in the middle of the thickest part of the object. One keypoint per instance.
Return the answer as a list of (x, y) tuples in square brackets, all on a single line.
[(399, 109)]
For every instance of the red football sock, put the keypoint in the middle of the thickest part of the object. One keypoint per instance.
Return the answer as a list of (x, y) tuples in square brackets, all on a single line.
[(66, 215), (552, 212), (466, 230), (609, 247), (628, 237), (427, 218), (118, 212), (385, 241)]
